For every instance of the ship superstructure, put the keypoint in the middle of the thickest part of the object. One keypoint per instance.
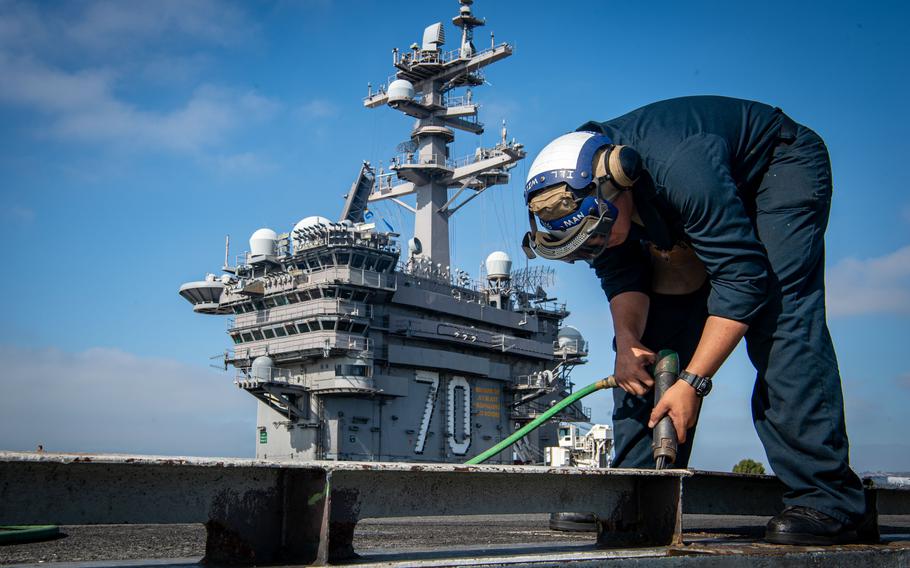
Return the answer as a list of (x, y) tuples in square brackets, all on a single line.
[(357, 350), (593, 448)]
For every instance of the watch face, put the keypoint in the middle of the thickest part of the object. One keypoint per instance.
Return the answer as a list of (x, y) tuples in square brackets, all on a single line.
[(704, 387)]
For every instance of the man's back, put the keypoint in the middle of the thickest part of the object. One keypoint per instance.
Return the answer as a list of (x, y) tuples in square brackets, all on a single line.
[(750, 130)]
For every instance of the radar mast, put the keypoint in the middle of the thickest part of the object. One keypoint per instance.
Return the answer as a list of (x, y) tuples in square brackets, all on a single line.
[(424, 87)]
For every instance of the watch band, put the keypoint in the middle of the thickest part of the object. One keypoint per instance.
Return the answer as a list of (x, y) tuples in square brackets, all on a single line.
[(702, 385)]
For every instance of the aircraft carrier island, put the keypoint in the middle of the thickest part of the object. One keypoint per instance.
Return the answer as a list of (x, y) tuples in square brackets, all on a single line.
[(361, 347), (371, 357)]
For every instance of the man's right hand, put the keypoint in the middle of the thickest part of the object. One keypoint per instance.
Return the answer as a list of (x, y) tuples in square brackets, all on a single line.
[(631, 375)]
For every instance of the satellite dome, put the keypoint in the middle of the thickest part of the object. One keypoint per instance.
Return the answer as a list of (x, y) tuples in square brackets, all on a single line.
[(400, 90), (311, 221), (499, 266), (262, 368), (263, 243), (306, 223), (569, 337)]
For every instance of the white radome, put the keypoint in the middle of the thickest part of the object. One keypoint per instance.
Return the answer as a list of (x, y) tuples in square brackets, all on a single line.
[(401, 90), (263, 242), (262, 368), (499, 265), (306, 223), (311, 221), (570, 337)]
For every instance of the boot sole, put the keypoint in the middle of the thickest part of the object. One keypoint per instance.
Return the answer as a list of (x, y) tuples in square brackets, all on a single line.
[(807, 539)]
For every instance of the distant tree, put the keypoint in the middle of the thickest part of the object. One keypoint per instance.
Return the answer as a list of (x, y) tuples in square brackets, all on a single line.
[(748, 466)]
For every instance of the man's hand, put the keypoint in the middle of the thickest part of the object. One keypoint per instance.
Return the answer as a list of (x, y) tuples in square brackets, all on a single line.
[(631, 359), (630, 312), (681, 403)]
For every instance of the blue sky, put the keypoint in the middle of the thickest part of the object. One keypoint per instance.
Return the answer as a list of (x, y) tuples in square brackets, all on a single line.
[(136, 135)]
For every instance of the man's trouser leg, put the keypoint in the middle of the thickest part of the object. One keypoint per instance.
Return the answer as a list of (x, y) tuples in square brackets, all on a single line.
[(797, 403), (674, 322)]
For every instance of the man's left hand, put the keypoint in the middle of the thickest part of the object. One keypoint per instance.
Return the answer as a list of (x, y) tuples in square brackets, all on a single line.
[(682, 404)]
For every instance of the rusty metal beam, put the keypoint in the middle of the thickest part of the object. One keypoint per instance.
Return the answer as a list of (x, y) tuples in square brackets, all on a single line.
[(305, 512), (241, 502)]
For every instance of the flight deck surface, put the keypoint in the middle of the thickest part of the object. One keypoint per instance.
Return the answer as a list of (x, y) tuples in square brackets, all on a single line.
[(491, 540)]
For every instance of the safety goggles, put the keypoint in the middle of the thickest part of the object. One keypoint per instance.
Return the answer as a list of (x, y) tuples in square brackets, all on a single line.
[(585, 240)]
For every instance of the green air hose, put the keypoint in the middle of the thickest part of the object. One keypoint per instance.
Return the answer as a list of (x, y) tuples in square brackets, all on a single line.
[(665, 371), (27, 533), (607, 383)]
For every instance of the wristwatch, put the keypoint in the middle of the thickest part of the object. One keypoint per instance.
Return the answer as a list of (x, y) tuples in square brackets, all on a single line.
[(702, 385)]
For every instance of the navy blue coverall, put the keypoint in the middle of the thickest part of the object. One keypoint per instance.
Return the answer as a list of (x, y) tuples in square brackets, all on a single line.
[(750, 190)]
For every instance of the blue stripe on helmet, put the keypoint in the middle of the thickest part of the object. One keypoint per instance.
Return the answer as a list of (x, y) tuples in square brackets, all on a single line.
[(590, 206), (577, 178)]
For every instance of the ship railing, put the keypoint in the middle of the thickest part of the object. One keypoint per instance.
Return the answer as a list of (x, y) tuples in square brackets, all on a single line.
[(425, 270), (371, 278), (422, 99), (362, 345), (550, 306), (543, 379), (385, 181), (532, 409), (458, 100), (273, 283), (269, 375), (479, 155), (527, 381), (417, 57), (357, 276), (323, 307), (439, 160), (414, 158), (571, 346)]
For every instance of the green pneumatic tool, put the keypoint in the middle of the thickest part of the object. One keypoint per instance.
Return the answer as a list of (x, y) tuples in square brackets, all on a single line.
[(666, 371)]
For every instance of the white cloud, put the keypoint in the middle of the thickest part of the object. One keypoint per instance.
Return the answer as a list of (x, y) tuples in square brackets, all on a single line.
[(163, 71), (870, 286), (82, 106), (113, 28), (21, 26), (107, 24), (28, 82), (106, 400), (73, 65)]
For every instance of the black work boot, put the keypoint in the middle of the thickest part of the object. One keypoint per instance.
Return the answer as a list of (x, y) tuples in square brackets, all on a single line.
[(573, 522), (805, 526)]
